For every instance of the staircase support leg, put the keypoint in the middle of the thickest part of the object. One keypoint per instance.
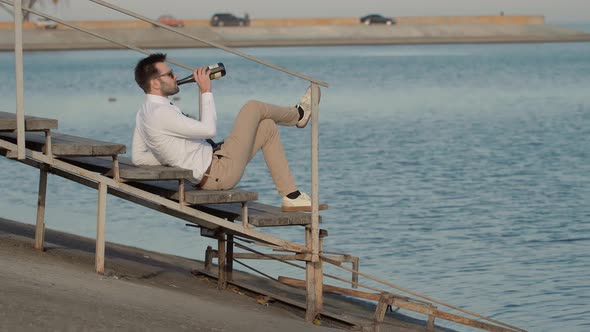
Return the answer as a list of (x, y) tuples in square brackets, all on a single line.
[(100, 227), (230, 257), (221, 260), (40, 227)]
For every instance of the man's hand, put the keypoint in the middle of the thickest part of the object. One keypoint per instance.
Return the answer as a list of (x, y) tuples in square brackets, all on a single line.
[(201, 76)]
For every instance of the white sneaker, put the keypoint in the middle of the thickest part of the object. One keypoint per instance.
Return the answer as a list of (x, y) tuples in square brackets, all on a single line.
[(301, 203), (305, 106)]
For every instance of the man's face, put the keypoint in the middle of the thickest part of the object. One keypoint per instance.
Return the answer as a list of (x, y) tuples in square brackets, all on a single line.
[(166, 79)]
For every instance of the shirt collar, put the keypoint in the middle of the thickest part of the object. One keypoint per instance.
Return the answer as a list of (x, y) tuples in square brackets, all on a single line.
[(157, 99)]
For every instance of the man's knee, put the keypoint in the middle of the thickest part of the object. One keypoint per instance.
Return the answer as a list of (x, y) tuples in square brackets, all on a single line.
[(252, 104), (268, 126)]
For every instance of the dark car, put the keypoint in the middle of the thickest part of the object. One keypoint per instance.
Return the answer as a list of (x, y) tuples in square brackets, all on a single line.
[(225, 19), (377, 19)]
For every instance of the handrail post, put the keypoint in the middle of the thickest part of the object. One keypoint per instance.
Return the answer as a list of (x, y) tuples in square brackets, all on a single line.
[(314, 267), (18, 56)]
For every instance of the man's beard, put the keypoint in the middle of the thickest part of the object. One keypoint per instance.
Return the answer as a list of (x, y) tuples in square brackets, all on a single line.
[(168, 89)]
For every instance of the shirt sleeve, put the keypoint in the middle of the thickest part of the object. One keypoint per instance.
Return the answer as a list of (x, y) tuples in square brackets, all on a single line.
[(174, 123)]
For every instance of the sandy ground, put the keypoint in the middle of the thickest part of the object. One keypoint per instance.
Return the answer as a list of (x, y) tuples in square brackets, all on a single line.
[(57, 290)]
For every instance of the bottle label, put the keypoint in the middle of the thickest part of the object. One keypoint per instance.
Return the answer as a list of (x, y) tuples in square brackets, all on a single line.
[(215, 75)]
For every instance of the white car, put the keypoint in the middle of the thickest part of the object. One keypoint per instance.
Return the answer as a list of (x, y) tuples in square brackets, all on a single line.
[(44, 23)]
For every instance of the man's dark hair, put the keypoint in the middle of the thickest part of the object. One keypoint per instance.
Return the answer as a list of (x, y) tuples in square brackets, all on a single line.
[(146, 70)]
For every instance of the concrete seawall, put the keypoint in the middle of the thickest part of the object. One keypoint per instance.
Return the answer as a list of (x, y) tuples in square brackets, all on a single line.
[(400, 20), (330, 33)]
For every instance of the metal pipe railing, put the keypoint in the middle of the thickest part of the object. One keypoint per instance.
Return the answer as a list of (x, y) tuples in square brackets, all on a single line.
[(18, 67)]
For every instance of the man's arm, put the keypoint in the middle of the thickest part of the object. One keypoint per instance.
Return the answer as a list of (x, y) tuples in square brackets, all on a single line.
[(181, 126), (172, 122)]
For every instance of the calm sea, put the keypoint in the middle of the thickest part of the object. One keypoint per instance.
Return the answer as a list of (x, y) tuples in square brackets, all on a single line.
[(461, 172)]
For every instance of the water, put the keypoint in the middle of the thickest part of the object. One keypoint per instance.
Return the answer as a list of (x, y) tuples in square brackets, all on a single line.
[(461, 172)]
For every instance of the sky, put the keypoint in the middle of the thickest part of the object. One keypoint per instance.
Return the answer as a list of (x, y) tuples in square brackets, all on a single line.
[(553, 10)]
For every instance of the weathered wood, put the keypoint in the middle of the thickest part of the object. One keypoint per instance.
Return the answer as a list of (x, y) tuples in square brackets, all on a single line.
[(169, 189), (47, 148), (230, 257), (311, 297), (259, 214), (130, 172), (430, 323), (181, 191), (404, 303), (355, 275), (159, 203), (67, 145), (116, 172), (100, 227), (157, 180), (32, 123), (246, 255), (40, 226), (332, 289), (380, 310), (338, 316), (208, 258), (221, 263), (314, 268), (508, 326), (245, 214)]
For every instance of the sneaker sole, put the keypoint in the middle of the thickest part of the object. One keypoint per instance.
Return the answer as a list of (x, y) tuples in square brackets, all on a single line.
[(302, 208), (305, 120)]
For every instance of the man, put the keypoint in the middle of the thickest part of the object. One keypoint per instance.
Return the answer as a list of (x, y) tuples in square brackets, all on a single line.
[(165, 136)]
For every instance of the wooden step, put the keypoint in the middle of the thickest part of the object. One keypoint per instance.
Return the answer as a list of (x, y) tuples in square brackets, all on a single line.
[(68, 145), (259, 215), (130, 172), (32, 123), (159, 180)]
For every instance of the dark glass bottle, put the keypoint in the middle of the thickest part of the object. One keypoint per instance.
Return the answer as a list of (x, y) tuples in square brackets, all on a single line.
[(215, 71)]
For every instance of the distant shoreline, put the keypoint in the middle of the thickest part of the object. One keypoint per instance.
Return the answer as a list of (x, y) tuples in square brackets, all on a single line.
[(299, 32)]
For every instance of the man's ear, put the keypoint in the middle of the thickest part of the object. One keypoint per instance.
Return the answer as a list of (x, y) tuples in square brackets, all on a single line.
[(154, 85)]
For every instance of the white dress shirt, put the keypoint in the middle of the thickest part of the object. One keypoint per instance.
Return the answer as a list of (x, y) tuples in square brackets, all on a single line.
[(165, 136)]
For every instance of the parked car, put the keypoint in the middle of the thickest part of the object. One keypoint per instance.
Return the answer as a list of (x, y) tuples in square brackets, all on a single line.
[(377, 19), (44, 23), (171, 21), (226, 19)]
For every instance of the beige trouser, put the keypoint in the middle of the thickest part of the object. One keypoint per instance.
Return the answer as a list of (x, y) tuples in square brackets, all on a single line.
[(255, 128)]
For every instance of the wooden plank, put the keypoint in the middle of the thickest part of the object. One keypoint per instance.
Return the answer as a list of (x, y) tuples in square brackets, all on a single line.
[(332, 289), (221, 262), (32, 123), (162, 184), (40, 227), (259, 214), (67, 145), (169, 189), (100, 227), (130, 172)]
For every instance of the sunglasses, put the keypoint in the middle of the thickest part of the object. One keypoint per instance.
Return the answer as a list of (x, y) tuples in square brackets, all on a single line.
[(170, 74)]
